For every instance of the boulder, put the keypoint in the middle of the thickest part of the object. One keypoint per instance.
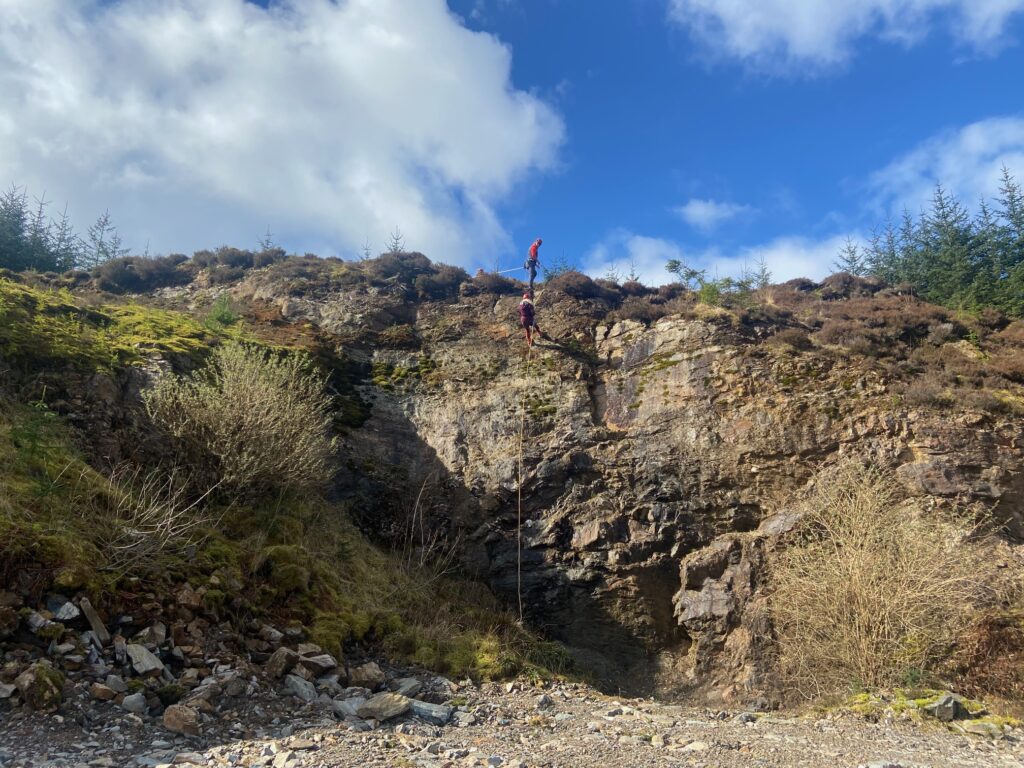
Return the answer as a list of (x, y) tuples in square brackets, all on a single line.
[(189, 598), (947, 708), (68, 612), (319, 665), (42, 687), (348, 707), (143, 661), (384, 706), (303, 689), (281, 662), (116, 684), (366, 676), (435, 714), (407, 686), (179, 718), (102, 692), (135, 703), (270, 635)]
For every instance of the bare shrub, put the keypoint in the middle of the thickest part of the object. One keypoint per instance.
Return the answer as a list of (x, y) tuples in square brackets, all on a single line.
[(794, 338), (489, 282), (638, 308), (875, 590), (151, 514), (135, 274), (577, 285), (443, 283), (988, 661), (929, 389), (264, 419)]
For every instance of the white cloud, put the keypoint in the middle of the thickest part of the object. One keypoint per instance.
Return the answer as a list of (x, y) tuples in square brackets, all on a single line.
[(786, 257), (199, 122), (967, 162), (708, 215), (623, 252), (782, 35)]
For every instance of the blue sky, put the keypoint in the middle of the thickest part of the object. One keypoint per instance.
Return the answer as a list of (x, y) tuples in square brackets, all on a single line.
[(717, 131), (653, 122)]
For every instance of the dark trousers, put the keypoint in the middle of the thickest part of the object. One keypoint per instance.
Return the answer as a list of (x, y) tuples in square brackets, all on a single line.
[(532, 267)]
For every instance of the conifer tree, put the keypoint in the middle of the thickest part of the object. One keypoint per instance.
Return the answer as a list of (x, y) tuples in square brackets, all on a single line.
[(13, 229), (65, 244), (104, 243), (851, 259)]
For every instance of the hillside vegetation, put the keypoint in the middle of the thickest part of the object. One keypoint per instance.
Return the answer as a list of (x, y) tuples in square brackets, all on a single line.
[(234, 505), (224, 452)]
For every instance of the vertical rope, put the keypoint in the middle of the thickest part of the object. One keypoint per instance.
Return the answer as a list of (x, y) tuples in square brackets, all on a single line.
[(519, 491)]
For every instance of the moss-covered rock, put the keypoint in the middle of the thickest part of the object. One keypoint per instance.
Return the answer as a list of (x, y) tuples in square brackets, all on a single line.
[(42, 687), (170, 694)]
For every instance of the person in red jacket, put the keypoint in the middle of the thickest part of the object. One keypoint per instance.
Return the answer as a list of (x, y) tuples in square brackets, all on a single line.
[(527, 317), (533, 261)]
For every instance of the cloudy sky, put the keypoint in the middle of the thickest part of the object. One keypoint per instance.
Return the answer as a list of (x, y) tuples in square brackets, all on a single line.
[(715, 131)]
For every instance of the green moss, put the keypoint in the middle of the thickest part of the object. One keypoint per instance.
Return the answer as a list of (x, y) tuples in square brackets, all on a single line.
[(47, 688), (330, 631), (54, 631), (135, 685), (214, 600), (290, 578), (51, 327), (171, 694)]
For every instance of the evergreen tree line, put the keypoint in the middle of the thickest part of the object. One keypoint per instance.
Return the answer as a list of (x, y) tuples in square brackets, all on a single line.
[(950, 257), (32, 239)]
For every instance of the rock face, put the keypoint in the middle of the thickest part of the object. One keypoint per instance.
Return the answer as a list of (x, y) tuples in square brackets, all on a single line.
[(658, 465), (657, 461)]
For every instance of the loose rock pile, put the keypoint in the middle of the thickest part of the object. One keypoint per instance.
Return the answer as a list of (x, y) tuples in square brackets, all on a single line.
[(78, 689)]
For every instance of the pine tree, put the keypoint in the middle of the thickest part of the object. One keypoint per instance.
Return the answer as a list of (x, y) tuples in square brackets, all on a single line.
[(1010, 292), (14, 218), (65, 245), (104, 243), (396, 242), (883, 258), (762, 275), (688, 276), (911, 261), (851, 259), (38, 239), (950, 261)]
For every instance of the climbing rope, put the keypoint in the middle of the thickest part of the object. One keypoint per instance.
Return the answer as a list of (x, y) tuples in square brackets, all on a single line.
[(519, 484), (519, 490)]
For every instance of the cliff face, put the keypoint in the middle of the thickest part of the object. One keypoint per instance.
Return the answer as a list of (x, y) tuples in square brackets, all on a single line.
[(660, 464)]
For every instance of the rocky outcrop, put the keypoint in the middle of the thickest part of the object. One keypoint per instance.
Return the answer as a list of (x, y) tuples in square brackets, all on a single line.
[(658, 467), (659, 464)]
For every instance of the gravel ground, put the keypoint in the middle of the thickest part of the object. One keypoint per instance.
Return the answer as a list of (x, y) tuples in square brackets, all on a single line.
[(568, 726)]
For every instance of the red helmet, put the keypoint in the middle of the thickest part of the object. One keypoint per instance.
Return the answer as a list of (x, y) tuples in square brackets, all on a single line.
[(527, 295)]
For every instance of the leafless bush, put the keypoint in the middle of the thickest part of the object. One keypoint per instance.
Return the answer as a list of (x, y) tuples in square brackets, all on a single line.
[(875, 590), (150, 514), (425, 547), (264, 419)]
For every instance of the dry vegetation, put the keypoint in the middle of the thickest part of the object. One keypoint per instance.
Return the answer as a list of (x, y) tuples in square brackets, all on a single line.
[(264, 420), (876, 592)]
